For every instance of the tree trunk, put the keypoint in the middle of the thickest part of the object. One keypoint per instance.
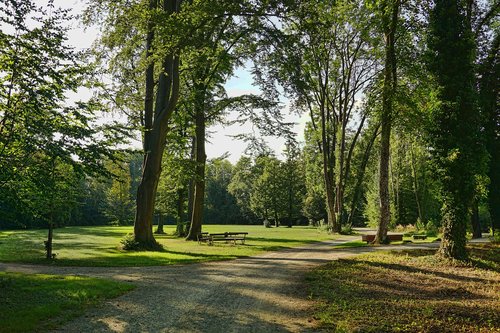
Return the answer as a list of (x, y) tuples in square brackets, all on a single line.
[(159, 228), (157, 115), (180, 230), (359, 181), (339, 206), (48, 242), (146, 193), (330, 205), (289, 219), (330, 195), (454, 224), (199, 182), (476, 224), (416, 187), (384, 203), (390, 24)]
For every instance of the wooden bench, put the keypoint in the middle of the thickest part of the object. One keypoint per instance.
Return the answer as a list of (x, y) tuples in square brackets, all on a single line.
[(419, 236), (228, 237), (390, 237)]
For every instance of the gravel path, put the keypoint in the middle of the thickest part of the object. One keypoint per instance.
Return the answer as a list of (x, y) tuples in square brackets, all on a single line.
[(264, 293)]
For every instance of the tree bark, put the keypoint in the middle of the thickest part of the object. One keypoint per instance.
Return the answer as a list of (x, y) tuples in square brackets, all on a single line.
[(416, 187), (180, 230), (146, 193), (199, 181), (290, 204), (454, 222), (390, 24), (328, 176), (191, 186), (48, 242), (476, 224), (159, 228), (361, 176), (330, 202)]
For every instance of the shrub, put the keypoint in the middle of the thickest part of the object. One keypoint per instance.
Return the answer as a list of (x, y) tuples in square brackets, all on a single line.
[(431, 230), (346, 230), (129, 243), (409, 229)]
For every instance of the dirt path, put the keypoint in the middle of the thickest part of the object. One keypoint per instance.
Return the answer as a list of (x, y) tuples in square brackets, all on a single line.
[(264, 293)]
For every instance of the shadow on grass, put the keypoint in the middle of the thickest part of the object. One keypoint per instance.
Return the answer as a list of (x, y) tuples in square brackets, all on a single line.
[(414, 253), (137, 260), (410, 269), (382, 296)]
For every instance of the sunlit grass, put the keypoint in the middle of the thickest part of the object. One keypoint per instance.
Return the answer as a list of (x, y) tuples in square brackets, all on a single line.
[(100, 246), (35, 302)]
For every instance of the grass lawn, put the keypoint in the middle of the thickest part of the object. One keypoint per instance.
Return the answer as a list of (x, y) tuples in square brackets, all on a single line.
[(34, 302), (409, 291), (100, 246)]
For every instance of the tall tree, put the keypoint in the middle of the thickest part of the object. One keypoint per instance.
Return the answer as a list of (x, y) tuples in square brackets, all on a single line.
[(294, 182), (210, 63), (157, 113), (489, 77), (324, 61), (389, 14), (240, 186), (455, 136), (268, 199), (45, 139)]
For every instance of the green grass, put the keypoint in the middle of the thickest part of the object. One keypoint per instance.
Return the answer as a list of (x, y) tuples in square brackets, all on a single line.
[(409, 291), (35, 302), (100, 246)]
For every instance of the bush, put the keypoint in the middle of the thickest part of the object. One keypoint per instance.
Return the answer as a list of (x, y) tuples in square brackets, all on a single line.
[(496, 238), (431, 230), (346, 230), (129, 243), (408, 230)]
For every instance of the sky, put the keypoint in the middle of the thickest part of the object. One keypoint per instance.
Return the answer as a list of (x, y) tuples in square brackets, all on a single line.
[(220, 141)]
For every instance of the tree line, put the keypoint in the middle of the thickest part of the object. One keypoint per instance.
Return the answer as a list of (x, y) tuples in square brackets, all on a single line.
[(402, 99)]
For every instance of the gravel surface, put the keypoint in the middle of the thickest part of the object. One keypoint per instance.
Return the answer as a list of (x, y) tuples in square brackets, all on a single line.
[(264, 293)]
